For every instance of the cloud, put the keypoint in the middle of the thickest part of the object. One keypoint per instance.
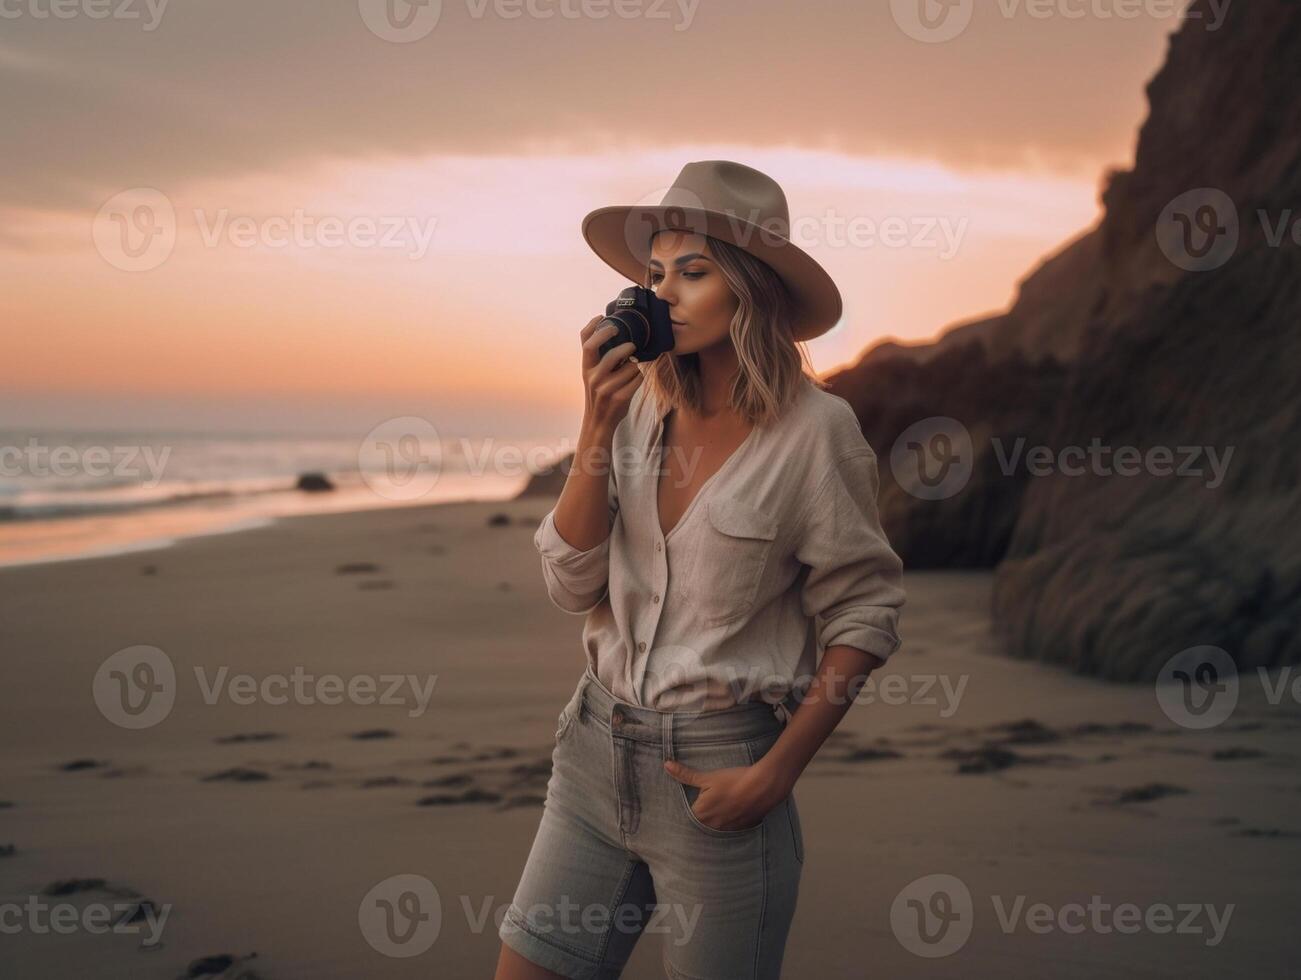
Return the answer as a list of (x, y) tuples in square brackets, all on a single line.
[(218, 89)]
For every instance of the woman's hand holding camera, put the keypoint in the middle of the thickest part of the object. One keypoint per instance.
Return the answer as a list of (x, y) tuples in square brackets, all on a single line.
[(610, 381)]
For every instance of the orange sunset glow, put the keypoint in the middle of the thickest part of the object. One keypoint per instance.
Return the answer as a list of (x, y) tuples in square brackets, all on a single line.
[(389, 250)]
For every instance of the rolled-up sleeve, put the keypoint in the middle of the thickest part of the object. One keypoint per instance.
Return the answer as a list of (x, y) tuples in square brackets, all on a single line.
[(576, 580), (854, 587)]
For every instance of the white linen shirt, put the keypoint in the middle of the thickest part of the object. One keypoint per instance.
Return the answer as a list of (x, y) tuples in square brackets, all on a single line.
[(778, 556)]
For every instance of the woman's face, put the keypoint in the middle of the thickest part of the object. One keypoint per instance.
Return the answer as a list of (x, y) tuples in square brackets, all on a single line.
[(684, 275)]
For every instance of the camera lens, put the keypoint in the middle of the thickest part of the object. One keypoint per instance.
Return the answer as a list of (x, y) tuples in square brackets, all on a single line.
[(629, 325)]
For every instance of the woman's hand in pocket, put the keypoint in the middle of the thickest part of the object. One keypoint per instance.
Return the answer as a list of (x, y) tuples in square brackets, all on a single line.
[(736, 798)]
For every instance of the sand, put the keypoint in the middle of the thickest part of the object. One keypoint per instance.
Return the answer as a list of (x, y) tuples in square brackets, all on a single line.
[(262, 827)]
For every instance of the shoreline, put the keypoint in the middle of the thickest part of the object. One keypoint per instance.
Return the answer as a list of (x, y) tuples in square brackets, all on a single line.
[(43, 541)]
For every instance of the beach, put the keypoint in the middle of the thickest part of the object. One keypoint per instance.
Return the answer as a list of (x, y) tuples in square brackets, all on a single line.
[(262, 817)]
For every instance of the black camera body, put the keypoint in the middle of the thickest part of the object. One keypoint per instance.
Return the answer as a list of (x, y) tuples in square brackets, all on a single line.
[(641, 317)]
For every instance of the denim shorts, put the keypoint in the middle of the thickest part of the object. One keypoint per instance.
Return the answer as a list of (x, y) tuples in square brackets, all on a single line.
[(620, 852)]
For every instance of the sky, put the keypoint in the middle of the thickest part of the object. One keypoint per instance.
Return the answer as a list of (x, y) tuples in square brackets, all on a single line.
[(308, 215)]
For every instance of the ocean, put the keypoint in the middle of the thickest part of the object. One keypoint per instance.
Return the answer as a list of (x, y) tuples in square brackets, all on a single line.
[(67, 493)]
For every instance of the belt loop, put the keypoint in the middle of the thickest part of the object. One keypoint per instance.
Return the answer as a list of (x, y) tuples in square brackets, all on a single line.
[(583, 685), (666, 734), (786, 707)]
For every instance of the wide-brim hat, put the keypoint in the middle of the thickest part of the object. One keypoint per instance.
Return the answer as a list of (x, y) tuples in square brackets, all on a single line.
[(728, 201)]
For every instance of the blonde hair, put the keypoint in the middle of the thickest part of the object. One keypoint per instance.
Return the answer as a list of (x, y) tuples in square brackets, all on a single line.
[(771, 361)]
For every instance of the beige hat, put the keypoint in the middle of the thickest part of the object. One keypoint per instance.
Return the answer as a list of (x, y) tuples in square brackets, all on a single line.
[(737, 204)]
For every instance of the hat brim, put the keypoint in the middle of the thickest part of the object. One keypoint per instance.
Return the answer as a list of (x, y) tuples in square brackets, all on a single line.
[(621, 235)]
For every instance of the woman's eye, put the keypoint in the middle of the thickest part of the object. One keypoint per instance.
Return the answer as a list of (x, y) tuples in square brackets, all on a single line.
[(656, 277)]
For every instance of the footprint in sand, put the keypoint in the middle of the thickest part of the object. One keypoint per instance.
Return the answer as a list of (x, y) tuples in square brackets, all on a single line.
[(79, 765), (1234, 753), (242, 737), (356, 568), (222, 965), (1147, 793), (238, 774), (371, 734), (473, 795)]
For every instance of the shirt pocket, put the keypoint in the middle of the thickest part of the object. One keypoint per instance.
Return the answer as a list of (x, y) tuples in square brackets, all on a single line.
[(727, 562)]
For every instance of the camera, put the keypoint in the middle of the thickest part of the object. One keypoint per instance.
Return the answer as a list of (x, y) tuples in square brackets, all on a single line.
[(641, 317)]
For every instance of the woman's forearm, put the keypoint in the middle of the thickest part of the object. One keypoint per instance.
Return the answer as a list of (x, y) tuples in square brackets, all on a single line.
[(582, 515), (839, 678)]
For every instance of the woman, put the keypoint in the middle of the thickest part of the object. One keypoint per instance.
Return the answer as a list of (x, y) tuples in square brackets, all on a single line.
[(718, 528)]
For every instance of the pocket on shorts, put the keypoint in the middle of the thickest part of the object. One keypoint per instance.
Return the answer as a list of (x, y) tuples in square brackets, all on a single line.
[(567, 715), (797, 832), (731, 553), (707, 757)]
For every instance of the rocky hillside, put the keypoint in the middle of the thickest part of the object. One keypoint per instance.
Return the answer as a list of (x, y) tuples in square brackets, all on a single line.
[(1171, 325)]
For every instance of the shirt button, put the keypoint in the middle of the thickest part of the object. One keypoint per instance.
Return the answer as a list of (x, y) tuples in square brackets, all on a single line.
[(655, 597), (641, 647), (658, 546)]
